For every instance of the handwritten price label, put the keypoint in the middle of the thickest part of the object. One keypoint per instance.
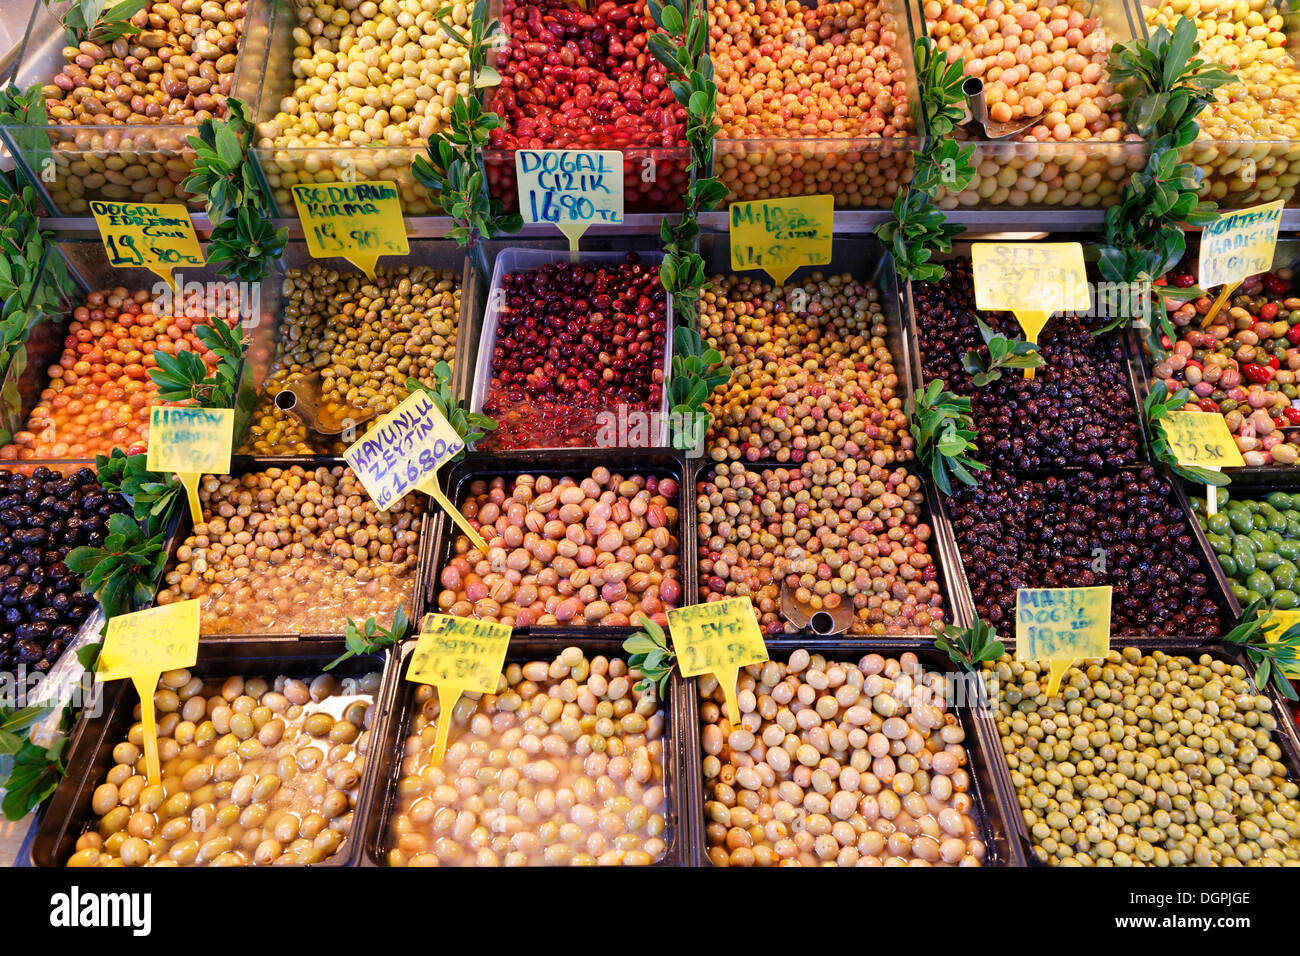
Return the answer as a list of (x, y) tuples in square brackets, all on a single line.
[(718, 638), (1239, 245), (191, 442), (358, 222), (457, 654), (1033, 280), (1062, 625), (159, 236), (570, 188), (781, 235), (1201, 438), (141, 646), (403, 451)]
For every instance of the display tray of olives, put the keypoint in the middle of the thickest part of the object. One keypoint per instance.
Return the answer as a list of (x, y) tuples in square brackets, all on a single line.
[(84, 798), (603, 761), (1255, 538), (983, 824), (1149, 838), (1079, 410), (364, 336), (296, 546), (819, 364), (44, 514), (918, 558), (1130, 528), (614, 548)]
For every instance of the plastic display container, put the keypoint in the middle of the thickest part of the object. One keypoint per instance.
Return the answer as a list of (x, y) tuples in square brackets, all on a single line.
[(75, 164), (401, 707), (937, 547), (655, 175), (273, 345), (1216, 583), (1285, 735), (859, 167), (989, 781), (595, 423), (89, 755), (287, 159), (457, 477), (83, 268), (1240, 169), (344, 584), (1070, 174)]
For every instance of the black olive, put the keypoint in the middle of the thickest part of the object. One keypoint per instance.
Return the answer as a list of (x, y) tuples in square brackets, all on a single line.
[(28, 651), (64, 632), (48, 615)]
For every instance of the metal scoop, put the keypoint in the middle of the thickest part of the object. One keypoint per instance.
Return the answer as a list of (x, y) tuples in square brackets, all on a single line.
[(303, 400), (822, 622), (973, 87)]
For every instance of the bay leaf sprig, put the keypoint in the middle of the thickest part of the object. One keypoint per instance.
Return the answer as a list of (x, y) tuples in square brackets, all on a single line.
[(969, 646), (1001, 353), (1273, 656), (941, 424), (1155, 407), (370, 638), (650, 653)]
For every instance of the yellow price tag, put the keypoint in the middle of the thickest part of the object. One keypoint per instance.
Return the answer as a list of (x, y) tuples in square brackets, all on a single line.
[(403, 451), (1239, 245), (1032, 280), (1060, 626), (719, 638), (456, 654), (1201, 438), (141, 646), (155, 236), (570, 188), (1279, 623), (358, 222), (781, 235), (191, 442)]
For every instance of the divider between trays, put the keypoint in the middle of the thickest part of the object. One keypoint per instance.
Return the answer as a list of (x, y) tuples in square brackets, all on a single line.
[(986, 765), (68, 812)]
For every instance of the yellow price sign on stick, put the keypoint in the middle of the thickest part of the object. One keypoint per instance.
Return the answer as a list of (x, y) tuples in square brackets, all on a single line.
[(1280, 621), (141, 646), (781, 235), (1235, 247), (191, 442), (1202, 439), (717, 638), (403, 452), (570, 188), (1060, 626), (457, 654), (159, 237), (1032, 280), (358, 222)]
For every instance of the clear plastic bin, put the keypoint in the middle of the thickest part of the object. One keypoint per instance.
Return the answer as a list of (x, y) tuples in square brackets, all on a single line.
[(284, 162), (1070, 173), (1239, 171), (515, 259), (28, 381), (655, 176), (861, 170), (273, 431), (74, 164)]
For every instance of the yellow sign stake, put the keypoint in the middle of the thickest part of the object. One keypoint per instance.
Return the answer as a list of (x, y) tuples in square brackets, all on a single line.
[(457, 654), (781, 235), (1032, 280), (1218, 303), (717, 638), (1060, 626), (142, 646), (159, 237), (358, 222), (192, 442)]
